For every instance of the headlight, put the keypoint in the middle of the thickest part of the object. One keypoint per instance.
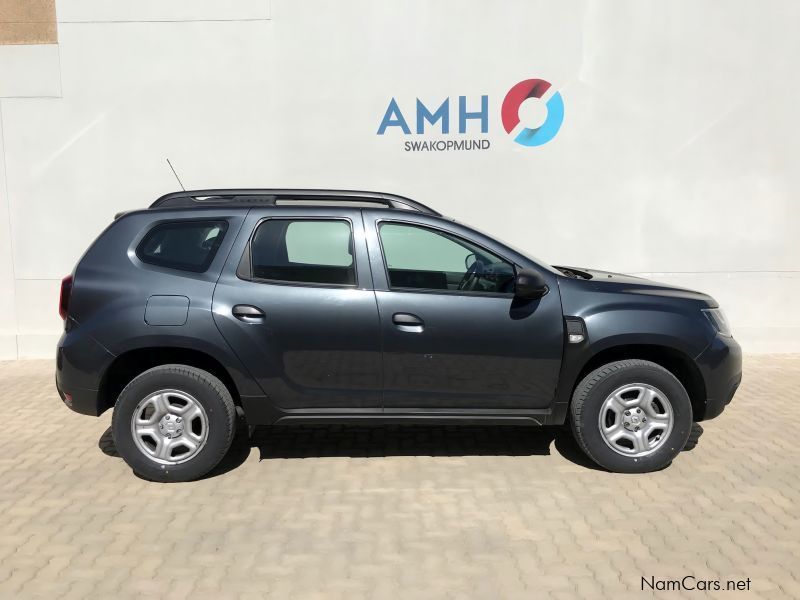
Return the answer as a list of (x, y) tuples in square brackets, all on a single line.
[(718, 320)]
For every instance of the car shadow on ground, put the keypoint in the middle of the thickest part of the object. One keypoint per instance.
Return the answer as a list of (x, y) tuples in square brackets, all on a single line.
[(360, 441)]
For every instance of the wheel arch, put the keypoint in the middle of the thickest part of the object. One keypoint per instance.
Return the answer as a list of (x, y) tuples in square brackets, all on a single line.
[(672, 359), (129, 364)]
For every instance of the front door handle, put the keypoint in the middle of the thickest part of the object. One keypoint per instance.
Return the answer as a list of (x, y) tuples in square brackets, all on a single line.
[(408, 322), (248, 314)]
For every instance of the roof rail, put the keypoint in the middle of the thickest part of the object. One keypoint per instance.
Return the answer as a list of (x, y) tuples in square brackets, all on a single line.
[(250, 197)]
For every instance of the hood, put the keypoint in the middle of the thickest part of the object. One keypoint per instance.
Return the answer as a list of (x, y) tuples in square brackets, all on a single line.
[(621, 283)]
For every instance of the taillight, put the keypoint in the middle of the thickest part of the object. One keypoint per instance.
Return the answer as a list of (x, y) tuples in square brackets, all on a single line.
[(63, 300)]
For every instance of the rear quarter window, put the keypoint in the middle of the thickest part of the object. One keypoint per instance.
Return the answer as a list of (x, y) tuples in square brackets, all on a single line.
[(183, 245)]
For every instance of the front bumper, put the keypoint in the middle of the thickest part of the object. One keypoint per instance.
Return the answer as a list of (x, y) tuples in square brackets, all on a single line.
[(80, 363), (721, 367)]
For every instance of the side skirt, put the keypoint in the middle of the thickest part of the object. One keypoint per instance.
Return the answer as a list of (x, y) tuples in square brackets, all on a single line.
[(257, 415)]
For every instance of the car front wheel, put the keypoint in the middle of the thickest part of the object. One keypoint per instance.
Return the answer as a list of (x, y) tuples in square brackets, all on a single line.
[(631, 416), (174, 423)]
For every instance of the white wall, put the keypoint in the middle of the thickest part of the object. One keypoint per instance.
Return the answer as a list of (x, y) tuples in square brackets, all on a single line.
[(676, 156)]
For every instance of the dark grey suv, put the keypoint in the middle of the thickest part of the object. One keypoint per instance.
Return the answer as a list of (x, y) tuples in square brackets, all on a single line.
[(320, 306)]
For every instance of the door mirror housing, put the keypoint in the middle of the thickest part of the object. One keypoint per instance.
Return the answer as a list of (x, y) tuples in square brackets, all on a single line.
[(529, 285)]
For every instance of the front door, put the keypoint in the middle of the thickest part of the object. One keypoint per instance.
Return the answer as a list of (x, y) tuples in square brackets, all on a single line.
[(295, 304), (454, 336)]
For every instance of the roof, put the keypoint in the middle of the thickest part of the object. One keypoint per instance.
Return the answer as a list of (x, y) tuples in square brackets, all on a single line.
[(251, 197)]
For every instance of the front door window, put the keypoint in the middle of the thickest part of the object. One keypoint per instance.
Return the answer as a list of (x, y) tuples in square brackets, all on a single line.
[(420, 258)]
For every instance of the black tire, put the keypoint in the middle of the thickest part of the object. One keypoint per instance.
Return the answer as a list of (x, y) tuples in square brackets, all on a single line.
[(591, 393), (206, 390)]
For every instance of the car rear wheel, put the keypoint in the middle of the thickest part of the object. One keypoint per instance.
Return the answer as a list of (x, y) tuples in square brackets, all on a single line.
[(174, 423), (631, 416)]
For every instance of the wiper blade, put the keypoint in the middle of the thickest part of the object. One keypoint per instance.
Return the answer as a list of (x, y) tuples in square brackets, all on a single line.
[(574, 273)]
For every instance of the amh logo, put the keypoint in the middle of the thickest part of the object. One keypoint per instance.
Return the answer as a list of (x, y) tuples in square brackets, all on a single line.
[(469, 111), (532, 88), (394, 116)]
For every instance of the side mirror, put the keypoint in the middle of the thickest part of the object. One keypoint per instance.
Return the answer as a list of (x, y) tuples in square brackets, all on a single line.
[(529, 285)]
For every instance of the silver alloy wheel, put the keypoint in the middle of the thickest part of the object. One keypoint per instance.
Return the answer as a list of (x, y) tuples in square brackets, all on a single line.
[(636, 419), (169, 427)]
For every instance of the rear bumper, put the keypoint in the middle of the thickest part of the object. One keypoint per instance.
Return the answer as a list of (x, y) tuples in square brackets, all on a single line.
[(721, 367), (81, 400), (80, 363)]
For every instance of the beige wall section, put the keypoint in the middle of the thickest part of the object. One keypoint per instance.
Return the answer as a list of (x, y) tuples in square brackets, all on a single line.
[(8, 311), (676, 158), (28, 22)]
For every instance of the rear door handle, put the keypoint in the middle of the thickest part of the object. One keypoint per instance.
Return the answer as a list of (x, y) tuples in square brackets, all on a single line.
[(408, 322), (248, 314)]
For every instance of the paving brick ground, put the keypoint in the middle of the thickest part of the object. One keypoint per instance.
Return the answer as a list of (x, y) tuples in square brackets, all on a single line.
[(334, 512)]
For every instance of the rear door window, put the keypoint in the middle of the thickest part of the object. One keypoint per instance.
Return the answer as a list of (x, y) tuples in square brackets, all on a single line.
[(316, 251), (183, 245)]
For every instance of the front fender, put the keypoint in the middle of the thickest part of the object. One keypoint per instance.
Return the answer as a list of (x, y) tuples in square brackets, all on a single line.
[(613, 319)]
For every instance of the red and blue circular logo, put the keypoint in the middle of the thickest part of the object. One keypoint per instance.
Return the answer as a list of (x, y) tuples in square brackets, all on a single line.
[(532, 88)]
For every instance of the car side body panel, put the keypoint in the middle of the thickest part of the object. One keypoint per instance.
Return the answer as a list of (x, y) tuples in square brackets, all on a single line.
[(328, 353), (474, 351), (317, 347), (111, 288)]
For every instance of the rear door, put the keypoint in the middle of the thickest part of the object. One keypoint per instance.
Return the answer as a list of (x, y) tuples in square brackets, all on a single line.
[(295, 302), (454, 335)]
